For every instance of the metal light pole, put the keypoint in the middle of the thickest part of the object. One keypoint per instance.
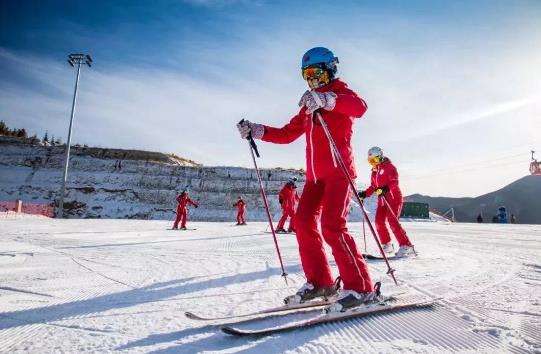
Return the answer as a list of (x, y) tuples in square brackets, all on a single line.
[(73, 59)]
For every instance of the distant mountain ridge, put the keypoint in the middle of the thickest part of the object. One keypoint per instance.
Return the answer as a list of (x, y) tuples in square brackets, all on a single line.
[(522, 198)]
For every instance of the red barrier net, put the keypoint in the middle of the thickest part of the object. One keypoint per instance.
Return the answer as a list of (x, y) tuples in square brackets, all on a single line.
[(27, 208)]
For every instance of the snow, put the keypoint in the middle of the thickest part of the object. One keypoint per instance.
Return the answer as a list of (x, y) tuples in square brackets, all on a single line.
[(123, 286)]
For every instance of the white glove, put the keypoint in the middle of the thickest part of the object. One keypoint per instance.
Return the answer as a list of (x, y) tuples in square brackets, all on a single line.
[(314, 100), (246, 128)]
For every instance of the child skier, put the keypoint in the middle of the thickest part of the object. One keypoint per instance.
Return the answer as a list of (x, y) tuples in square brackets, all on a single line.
[(182, 209), (288, 198), (326, 193), (241, 209), (384, 182)]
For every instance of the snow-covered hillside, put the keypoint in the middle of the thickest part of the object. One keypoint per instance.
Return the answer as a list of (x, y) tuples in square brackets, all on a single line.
[(124, 285), (110, 183)]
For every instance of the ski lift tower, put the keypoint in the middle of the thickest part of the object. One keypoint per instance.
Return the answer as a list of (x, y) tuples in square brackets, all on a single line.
[(535, 166)]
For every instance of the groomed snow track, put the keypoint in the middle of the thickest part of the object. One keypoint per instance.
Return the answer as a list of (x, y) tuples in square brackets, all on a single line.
[(123, 286)]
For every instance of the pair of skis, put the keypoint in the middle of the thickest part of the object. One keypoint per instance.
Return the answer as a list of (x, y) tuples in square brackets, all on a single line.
[(316, 316)]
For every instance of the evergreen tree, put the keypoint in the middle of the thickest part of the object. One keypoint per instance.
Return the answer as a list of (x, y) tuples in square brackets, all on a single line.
[(21, 133), (3, 128), (45, 137)]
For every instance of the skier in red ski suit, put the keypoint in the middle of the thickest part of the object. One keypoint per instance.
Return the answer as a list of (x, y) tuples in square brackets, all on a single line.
[(288, 198), (326, 194), (182, 210), (241, 209), (384, 182)]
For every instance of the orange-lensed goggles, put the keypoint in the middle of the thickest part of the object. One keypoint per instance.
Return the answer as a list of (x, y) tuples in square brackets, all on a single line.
[(373, 160), (312, 72)]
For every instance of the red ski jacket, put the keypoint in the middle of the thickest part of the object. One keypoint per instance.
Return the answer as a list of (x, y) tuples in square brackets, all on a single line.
[(184, 200), (288, 197), (240, 204), (320, 160), (385, 174)]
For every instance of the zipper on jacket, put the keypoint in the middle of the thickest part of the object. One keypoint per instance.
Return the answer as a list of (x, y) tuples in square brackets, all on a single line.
[(312, 151)]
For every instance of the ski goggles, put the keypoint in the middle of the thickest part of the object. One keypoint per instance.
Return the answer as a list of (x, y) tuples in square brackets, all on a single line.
[(373, 160), (312, 72)]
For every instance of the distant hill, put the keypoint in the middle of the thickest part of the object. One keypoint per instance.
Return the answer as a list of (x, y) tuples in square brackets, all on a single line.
[(522, 198)]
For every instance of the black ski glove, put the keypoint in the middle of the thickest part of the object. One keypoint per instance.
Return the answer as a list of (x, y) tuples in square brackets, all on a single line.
[(362, 194)]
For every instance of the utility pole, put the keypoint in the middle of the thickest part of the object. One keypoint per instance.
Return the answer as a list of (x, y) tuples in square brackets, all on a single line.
[(73, 59)]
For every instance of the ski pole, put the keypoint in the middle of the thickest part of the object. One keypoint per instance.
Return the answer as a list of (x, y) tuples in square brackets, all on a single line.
[(338, 157), (393, 214), (364, 231), (253, 148), (389, 207), (364, 236)]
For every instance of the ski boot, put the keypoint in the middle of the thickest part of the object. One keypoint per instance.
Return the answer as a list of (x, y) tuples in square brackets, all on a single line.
[(309, 292), (348, 299), (183, 227), (405, 251), (280, 231), (388, 247)]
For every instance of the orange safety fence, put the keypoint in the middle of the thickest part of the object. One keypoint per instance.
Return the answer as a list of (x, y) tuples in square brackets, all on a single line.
[(27, 208)]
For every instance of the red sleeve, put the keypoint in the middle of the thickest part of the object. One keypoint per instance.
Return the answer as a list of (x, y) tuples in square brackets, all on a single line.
[(191, 202), (349, 104), (289, 132), (178, 199)]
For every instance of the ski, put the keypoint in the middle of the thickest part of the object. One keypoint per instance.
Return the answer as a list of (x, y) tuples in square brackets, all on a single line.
[(284, 309), (191, 229), (269, 311), (368, 256), (323, 318), (379, 258)]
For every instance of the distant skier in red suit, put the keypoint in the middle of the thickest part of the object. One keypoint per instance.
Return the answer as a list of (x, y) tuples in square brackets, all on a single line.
[(241, 210), (288, 198), (182, 209), (384, 182)]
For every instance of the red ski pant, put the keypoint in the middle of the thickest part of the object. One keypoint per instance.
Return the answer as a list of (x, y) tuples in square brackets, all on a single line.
[(327, 201), (383, 214), (285, 214), (182, 217), (240, 217)]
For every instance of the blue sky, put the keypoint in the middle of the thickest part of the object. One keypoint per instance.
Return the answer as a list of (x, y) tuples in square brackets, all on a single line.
[(453, 87)]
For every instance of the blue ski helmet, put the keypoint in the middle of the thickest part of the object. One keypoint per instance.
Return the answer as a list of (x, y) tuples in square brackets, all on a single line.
[(320, 55)]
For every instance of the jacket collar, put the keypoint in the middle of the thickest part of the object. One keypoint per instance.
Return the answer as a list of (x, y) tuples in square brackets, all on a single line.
[(335, 84)]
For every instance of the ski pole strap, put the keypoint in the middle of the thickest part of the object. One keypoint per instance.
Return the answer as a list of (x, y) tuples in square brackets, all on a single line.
[(252, 142)]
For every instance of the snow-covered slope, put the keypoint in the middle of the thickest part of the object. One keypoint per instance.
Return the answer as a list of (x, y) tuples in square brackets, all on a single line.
[(123, 286)]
